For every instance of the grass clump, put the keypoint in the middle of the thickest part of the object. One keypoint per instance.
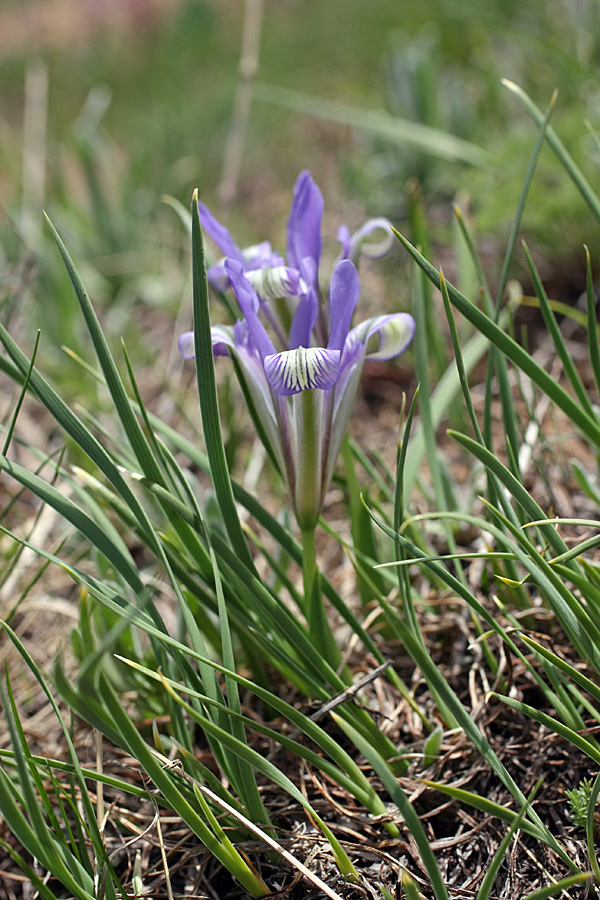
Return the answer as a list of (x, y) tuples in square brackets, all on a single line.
[(222, 673)]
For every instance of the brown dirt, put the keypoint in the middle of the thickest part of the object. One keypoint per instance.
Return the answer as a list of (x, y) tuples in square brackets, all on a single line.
[(35, 25)]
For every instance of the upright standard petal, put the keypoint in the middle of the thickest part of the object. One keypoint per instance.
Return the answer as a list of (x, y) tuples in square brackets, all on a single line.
[(343, 297), (304, 225), (219, 233)]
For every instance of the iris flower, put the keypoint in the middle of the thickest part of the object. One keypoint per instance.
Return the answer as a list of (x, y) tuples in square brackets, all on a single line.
[(298, 358)]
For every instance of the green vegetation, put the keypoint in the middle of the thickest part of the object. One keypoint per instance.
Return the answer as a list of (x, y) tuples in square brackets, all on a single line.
[(250, 697)]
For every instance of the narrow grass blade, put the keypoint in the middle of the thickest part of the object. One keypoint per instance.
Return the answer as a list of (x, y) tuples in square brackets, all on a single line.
[(421, 291), (468, 798), (167, 785), (557, 338), (85, 801), (207, 390), (114, 383), (487, 883), (36, 882), (78, 518), (377, 122), (571, 671), (409, 815), (575, 173), (361, 524), (513, 485), (437, 682), (399, 514), (444, 393), (509, 347), (350, 777), (577, 740), (281, 851), (81, 435), (266, 767), (590, 828), (592, 322), (558, 887), (24, 388), (544, 124), (244, 781), (38, 838)]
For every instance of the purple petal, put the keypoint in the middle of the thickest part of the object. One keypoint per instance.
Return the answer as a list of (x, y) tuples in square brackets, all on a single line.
[(185, 345), (394, 334), (222, 337), (343, 297), (304, 320), (351, 366), (304, 225), (218, 233), (340, 401), (259, 255), (249, 304), (218, 277), (343, 237), (303, 369)]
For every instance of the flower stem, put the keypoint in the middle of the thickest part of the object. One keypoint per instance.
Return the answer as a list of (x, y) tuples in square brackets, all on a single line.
[(314, 607), (308, 411)]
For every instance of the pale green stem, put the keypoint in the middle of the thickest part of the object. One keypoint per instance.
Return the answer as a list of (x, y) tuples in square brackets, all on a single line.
[(308, 413), (314, 607)]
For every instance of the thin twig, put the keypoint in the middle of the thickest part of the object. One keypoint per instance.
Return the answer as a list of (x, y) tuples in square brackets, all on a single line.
[(350, 692), (34, 147), (263, 836), (232, 163)]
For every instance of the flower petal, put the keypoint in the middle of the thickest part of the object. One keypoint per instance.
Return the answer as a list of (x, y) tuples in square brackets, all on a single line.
[(218, 233), (271, 283), (304, 320), (343, 297), (304, 225), (360, 246), (249, 304), (394, 333), (343, 236), (340, 401), (305, 368), (185, 345), (260, 255), (222, 337), (218, 277)]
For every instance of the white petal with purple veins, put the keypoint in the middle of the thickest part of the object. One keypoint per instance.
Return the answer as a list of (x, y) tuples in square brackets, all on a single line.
[(273, 283), (391, 335), (303, 369)]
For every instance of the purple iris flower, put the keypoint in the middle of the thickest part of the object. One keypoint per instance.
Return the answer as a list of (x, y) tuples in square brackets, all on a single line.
[(303, 381), (263, 267)]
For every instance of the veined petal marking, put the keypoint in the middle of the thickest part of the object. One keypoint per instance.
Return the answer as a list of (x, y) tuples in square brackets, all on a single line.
[(394, 332), (271, 283), (303, 369)]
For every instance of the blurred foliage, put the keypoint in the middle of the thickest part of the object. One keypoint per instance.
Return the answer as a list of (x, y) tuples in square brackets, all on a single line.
[(133, 114)]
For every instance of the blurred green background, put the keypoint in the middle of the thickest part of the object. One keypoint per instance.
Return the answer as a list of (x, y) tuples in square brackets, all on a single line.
[(139, 104)]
